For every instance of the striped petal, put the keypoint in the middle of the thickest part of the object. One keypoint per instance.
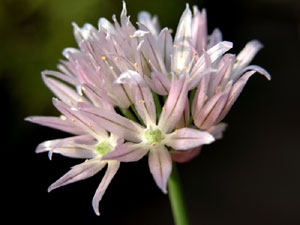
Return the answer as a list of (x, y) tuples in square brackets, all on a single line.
[(175, 104), (187, 138), (78, 172), (127, 152), (59, 123), (113, 122), (111, 171), (160, 164)]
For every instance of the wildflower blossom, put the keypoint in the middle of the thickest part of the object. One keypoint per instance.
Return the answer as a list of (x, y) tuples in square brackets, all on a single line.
[(125, 93)]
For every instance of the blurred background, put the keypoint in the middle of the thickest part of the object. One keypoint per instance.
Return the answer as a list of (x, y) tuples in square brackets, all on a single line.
[(249, 177)]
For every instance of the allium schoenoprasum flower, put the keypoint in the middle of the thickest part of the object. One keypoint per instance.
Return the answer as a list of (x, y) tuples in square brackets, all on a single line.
[(130, 92)]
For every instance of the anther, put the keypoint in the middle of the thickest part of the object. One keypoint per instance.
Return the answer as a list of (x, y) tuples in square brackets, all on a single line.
[(62, 117)]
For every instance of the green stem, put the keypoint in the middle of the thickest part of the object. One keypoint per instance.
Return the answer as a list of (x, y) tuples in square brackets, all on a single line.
[(176, 198), (127, 113), (137, 114), (157, 104)]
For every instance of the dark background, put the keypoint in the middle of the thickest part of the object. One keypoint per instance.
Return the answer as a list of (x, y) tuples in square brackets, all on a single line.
[(250, 177)]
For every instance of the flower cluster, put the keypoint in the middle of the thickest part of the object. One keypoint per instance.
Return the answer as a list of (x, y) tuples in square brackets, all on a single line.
[(131, 91)]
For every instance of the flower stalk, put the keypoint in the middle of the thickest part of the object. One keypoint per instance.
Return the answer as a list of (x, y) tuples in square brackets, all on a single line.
[(176, 198)]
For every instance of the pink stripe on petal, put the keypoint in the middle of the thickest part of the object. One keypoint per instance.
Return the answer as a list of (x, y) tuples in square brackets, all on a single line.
[(82, 141), (187, 138), (94, 129), (234, 93), (160, 164), (77, 173), (199, 30), (62, 91), (56, 123), (67, 78), (165, 43), (111, 171), (127, 152), (114, 123), (174, 106), (144, 102)]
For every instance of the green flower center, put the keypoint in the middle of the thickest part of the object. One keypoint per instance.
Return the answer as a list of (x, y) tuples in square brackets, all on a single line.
[(153, 136), (103, 148)]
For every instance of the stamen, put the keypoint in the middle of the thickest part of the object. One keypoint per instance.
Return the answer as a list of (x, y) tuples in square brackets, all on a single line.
[(73, 120), (219, 89), (175, 46), (103, 57), (63, 117)]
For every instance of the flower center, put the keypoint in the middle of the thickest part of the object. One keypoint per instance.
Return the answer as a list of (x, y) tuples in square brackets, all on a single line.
[(153, 136), (103, 148)]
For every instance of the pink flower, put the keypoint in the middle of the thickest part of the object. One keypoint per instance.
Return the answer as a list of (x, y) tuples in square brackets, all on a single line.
[(218, 90), (121, 74)]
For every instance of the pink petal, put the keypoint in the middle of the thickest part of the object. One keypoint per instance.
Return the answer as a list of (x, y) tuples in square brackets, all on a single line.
[(245, 57), (199, 30), (75, 143), (208, 115), (181, 52), (257, 69), (62, 91), (221, 76), (113, 122), (174, 106), (98, 97), (150, 22), (67, 78), (144, 102), (187, 138), (78, 172), (234, 93), (56, 122), (200, 96), (217, 130), (112, 169), (127, 152), (165, 46), (214, 53), (184, 120), (160, 164), (185, 156), (215, 38), (159, 83), (80, 120)]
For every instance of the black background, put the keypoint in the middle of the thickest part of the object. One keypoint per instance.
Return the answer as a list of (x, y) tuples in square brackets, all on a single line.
[(250, 177)]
